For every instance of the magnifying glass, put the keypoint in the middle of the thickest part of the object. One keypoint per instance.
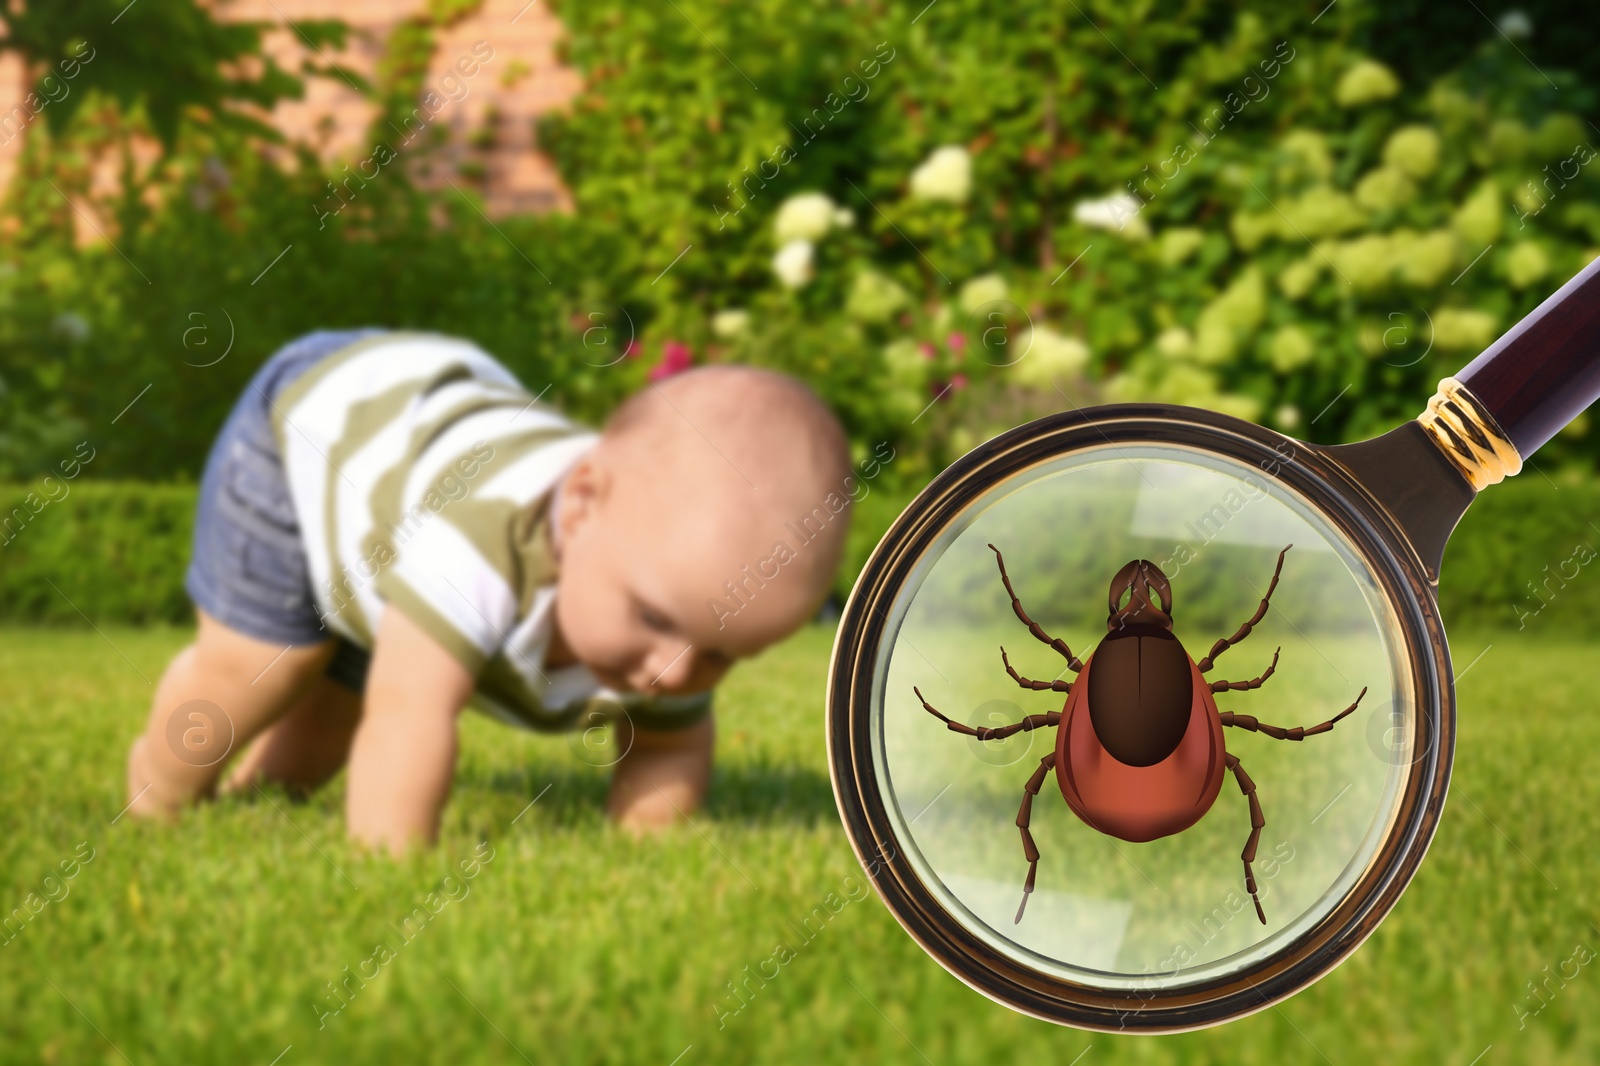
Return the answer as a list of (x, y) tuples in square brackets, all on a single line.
[(1219, 646)]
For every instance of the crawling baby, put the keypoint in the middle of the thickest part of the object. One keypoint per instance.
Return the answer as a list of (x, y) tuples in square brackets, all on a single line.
[(390, 528)]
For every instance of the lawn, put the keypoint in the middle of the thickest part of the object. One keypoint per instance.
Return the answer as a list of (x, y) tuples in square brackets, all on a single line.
[(220, 940)]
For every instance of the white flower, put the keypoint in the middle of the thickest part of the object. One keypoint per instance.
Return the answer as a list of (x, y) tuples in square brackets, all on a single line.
[(875, 298), (1048, 356), (1515, 23), (730, 323), (1365, 82), (792, 264), (907, 365), (983, 289), (804, 217), (945, 175), (1178, 244), (1119, 213), (1463, 329), (1175, 343), (1290, 348), (1526, 264), (71, 326), (844, 218)]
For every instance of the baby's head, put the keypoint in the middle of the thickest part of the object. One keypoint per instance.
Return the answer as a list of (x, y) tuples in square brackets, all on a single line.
[(706, 524)]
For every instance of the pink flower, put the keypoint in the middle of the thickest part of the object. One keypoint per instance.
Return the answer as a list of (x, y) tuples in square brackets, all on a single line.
[(928, 350), (956, 341), (632, 350), (675, 359), (958, 381)]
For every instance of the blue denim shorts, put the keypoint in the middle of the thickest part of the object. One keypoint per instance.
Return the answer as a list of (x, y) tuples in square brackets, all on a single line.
[(249, 569)]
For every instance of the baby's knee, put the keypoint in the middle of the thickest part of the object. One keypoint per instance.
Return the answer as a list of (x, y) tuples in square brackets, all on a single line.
[(228, 655), (150, 793)]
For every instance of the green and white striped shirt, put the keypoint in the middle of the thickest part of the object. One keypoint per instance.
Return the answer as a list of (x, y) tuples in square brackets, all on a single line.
[(421, 473)]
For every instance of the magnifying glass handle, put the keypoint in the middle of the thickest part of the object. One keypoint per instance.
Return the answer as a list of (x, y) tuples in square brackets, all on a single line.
[(1480, 425), (1546, 369)]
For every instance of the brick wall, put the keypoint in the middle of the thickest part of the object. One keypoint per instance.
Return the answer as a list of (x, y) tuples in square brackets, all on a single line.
[(333, 117)]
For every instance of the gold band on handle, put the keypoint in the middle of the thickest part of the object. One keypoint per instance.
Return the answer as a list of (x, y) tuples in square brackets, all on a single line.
[(1469, 436)]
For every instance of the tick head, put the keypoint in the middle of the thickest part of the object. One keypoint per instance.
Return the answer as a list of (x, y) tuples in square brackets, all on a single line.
[(1140, 594)]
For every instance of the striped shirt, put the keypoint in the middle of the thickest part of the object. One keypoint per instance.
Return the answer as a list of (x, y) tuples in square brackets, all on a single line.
[(422, 473)]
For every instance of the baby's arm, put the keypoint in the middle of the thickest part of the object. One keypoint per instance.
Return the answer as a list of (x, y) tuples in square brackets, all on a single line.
[(663, 776), (403, 756)]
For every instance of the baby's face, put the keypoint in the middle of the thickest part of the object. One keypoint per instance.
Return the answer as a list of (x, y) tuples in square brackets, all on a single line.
[(640, 566)]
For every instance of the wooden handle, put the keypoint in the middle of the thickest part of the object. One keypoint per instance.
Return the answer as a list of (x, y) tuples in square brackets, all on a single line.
[(1546, 369)]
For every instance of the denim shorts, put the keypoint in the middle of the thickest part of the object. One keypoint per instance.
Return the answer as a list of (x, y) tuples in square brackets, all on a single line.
[(249, 569)]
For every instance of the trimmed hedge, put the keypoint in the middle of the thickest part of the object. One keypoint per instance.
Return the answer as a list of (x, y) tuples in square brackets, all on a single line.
[(108, 551), (1520, 557), (116, 552)]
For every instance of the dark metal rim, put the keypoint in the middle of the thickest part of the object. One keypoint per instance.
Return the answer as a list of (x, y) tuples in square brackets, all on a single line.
[(869, 827)]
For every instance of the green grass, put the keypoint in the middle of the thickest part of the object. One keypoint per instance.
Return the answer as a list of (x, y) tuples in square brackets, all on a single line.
[(212, 940)]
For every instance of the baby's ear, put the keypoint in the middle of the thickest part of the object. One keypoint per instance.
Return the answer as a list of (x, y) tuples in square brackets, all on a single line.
[(586, 486)]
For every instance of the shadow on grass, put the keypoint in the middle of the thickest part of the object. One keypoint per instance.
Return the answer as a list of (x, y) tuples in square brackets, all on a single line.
[(747, 794), (766, 794)]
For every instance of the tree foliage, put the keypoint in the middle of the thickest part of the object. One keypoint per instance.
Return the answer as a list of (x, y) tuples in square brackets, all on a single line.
[(945, 220), (170, 61)]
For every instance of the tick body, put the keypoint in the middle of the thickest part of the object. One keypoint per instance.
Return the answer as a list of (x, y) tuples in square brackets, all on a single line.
[(1140, 751), (1140, 744)]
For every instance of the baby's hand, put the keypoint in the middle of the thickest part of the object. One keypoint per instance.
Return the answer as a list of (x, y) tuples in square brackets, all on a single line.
[(403, 757)]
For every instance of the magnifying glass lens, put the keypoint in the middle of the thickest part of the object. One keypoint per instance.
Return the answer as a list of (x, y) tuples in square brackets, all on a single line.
[(1107, 909)]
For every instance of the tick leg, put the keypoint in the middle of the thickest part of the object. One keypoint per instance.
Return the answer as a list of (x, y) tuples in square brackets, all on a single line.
[(1254, 682), (1245, 721), (1244, 631), (1024, 817), (1034, 627), (999, 732), (1257, 820), (1037, 686)]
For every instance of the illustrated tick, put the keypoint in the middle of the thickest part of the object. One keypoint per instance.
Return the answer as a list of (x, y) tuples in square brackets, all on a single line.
[(1139, 750)]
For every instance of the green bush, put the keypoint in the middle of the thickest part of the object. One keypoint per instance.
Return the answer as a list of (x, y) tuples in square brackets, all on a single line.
[(227, 247), (82, 334), (1285, 221), (104, 551), (116, 552), (914, 208), (1520, 558)]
